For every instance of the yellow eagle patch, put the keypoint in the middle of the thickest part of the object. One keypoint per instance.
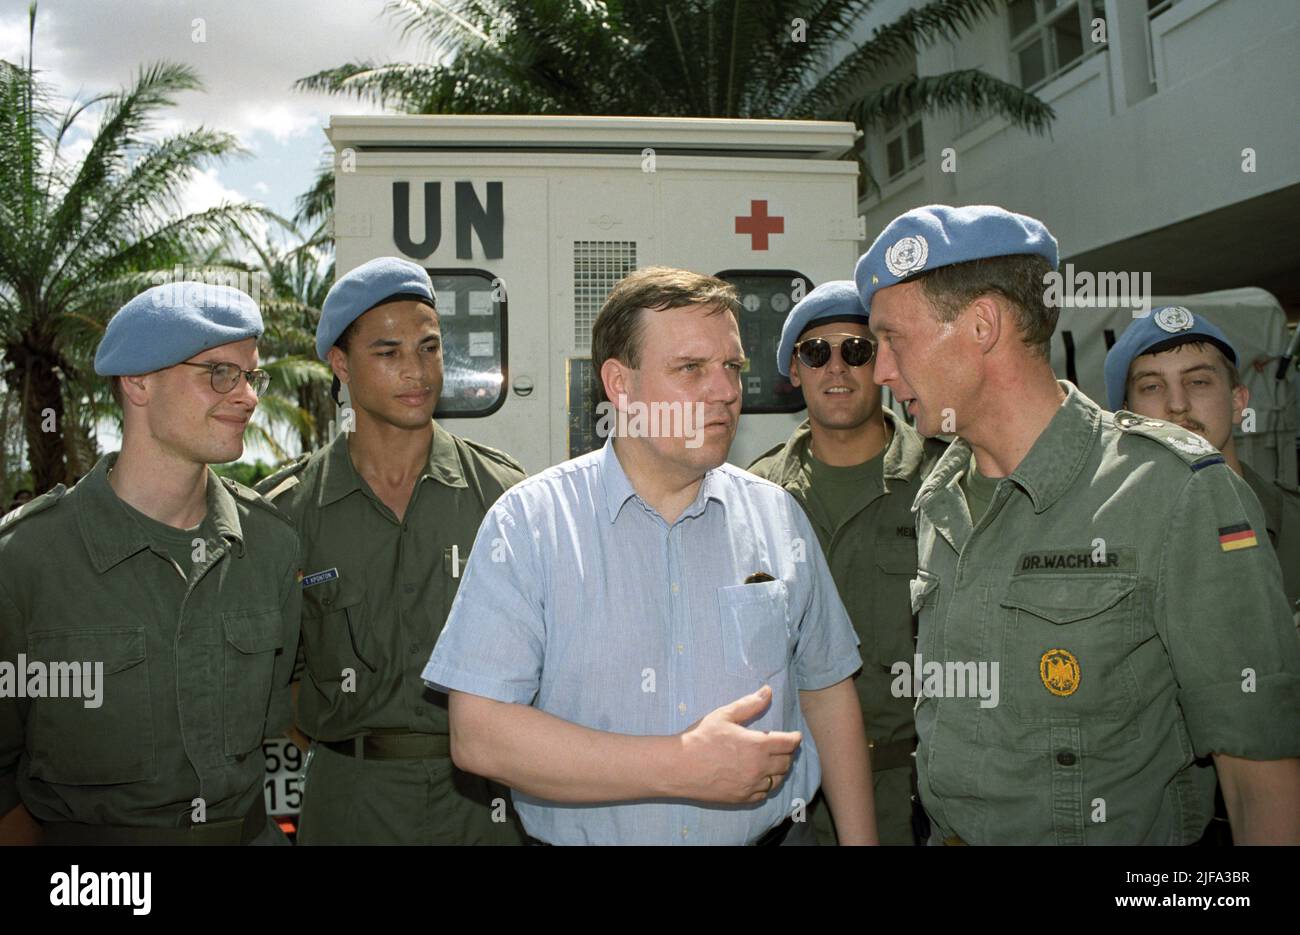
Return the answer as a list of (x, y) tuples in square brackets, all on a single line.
[(1059, 671)]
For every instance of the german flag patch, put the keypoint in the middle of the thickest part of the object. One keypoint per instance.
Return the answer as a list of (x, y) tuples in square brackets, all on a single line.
[(1237, 536)]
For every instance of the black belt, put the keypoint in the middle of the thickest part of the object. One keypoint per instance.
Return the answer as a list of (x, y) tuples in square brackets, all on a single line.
[(391, 745), (229, 831)]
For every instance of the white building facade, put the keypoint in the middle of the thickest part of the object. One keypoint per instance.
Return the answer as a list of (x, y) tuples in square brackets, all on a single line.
[(1175, 149)]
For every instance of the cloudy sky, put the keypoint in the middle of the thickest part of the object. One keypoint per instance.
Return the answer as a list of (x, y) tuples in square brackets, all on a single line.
[(250, 54)]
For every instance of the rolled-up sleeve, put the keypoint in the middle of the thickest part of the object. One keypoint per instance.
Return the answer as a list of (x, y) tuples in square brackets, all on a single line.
[(1224, 618), (493, 642), (826, 650)]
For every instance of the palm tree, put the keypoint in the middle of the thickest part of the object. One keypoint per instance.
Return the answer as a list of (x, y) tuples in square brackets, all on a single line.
[(297, 280), (692, 58), (77, 237)]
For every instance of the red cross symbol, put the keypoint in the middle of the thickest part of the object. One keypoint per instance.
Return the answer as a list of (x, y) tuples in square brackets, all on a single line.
[(758, 225)]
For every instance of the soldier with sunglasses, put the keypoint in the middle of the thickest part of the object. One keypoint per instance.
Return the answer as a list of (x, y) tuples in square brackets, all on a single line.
[(855, 467), (158, 600)]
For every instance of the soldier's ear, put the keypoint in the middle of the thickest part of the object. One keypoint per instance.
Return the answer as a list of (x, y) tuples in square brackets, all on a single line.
[(794, 372), (1240, 400), (135, 389), (986, 321), (338, 361)]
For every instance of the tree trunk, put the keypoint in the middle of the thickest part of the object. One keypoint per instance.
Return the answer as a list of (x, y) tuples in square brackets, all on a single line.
[(35, 365)]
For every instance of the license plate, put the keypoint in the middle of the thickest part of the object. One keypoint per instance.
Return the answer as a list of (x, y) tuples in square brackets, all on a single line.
[(284, 774)]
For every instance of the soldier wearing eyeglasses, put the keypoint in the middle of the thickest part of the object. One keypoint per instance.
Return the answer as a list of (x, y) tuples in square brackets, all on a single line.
[(855, 467), (151, 612)]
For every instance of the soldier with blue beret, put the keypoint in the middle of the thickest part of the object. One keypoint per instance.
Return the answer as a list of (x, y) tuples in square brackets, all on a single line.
[(156, 653), (1073, 662), (387, 511), (855, 467), (1176, 365)]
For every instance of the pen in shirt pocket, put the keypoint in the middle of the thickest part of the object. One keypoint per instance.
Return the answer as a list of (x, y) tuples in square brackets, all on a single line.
[(759, 577)]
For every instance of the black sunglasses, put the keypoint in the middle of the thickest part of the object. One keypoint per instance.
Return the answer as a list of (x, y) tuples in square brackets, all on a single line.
[(854, 350), (225, 377)]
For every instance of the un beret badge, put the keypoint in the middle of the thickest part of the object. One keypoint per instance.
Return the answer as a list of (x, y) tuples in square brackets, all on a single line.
[(1173, 319), (907, 255), (1059, 670)]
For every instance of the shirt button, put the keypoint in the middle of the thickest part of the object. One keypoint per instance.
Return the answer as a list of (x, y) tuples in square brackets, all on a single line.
[(675, 587), (415, 647), (681, 648), (418, 709), (685, 831), (681, 708), (1065, 758), (408, 588)]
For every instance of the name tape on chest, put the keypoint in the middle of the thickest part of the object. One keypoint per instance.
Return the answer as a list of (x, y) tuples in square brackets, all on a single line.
[(1083, 559), (319, 577)]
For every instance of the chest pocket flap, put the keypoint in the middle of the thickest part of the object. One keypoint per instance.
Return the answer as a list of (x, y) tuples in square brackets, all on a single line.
[(1068, 598)]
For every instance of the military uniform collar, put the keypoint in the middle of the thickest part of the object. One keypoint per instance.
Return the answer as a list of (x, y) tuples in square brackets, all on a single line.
[(1060, 452), (340, 477), (902, 459), (905, 452), (1052, 463), (1269, 496), (111, 536)]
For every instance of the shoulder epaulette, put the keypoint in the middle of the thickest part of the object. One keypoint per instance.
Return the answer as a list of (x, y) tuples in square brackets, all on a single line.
[(774, 450), (494, 454), (32, 507), (1192, 448), (284, 479), (248, 495)]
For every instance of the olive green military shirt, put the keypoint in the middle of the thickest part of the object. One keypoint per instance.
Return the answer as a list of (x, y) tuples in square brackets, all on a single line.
[(376, 590), (1281, 504), (1122, 583), (871, 550), (196, 660)]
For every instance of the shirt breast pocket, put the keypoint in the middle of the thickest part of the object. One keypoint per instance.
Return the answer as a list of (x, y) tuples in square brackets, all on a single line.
[(887, 633), (334, 632), (100, 740), (1067, 644), (755, 628), (252, 639)]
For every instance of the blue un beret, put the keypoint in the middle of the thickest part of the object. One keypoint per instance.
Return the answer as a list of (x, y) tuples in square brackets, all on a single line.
[(1163, 329), (171, 323), (938, 235), (364, 288), (831, 301)]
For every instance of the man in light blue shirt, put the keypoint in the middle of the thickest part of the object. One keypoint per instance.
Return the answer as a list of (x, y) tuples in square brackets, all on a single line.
[(643, 633)]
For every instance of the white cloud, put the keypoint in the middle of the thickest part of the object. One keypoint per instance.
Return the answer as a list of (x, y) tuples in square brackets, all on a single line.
[(205, 190), (252, 53)]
